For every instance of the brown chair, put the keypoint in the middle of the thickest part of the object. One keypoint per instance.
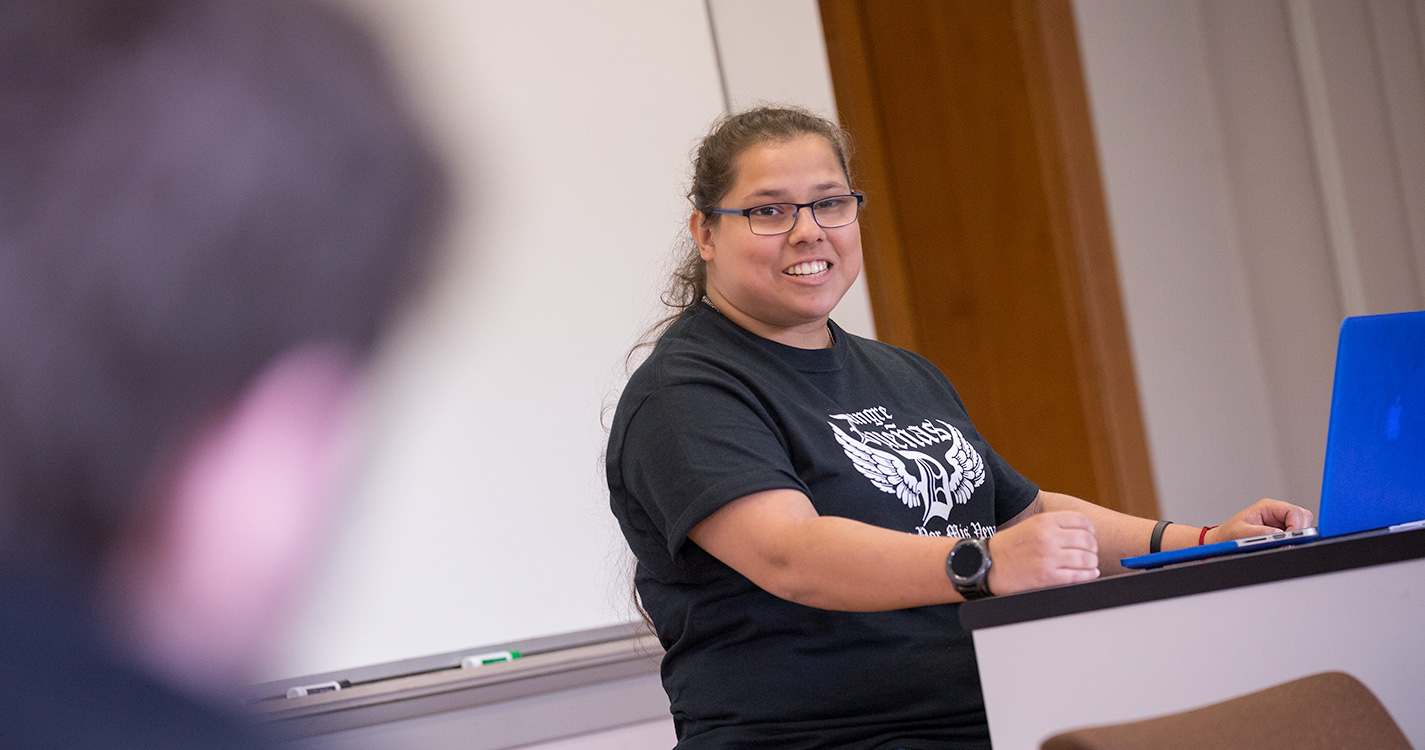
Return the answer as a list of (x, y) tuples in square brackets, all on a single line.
[(1325, 711)]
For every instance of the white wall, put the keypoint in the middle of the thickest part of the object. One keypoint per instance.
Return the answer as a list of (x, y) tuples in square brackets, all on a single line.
[(1264, 163), (1262, 166), (1264, 172), (481, 515)]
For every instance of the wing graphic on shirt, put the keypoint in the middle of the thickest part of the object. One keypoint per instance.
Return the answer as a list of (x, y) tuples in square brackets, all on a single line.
[(966, 467), (927, 488)]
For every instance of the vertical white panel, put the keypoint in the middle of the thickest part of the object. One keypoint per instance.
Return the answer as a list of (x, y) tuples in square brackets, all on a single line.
[(1271, 198), (1185, 294), (773, 52), (1351, 127), (1401, 54), (1329, 180), (1300, 119), (481, 515)]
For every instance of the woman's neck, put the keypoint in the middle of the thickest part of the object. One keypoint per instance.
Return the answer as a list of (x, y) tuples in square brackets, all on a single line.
[(812, 335)]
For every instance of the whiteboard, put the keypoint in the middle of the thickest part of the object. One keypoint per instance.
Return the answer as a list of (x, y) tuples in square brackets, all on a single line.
[(479, 514)]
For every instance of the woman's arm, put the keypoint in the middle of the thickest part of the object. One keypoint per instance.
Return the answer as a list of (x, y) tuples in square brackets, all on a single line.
[(779, 542), (1121, 535)]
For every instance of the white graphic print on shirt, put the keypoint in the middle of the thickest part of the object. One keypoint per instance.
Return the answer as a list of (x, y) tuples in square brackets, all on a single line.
[(930, 485)]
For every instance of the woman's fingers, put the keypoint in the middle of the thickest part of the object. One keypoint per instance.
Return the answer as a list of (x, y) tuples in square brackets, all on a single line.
[(1049, 549)]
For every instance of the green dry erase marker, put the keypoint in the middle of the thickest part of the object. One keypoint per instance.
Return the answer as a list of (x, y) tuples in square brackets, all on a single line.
[(494, 657)]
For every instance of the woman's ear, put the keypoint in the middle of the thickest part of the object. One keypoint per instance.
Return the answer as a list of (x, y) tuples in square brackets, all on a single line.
[(702, 234)]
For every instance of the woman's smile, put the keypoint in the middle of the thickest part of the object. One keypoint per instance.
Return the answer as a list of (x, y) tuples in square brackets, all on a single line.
[(809, 269)]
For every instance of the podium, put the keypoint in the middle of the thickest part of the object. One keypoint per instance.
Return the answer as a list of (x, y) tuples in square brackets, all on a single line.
[(1149, 643)]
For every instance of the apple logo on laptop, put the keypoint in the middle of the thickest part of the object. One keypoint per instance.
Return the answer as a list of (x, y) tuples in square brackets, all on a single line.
[(1392, 421)]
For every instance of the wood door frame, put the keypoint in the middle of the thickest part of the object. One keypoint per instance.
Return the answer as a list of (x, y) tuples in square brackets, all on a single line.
[(1078, 251)]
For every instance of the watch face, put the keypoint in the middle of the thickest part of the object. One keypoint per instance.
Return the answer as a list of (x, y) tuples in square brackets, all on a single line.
[(966, 560)]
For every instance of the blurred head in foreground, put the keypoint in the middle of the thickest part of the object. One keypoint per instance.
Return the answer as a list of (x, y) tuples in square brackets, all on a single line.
[(208, 211)]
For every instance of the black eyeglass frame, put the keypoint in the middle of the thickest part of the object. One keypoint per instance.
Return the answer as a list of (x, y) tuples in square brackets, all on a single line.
[(747, 212)]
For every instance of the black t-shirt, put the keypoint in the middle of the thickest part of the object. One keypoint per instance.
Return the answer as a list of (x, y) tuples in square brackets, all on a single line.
[(867, 431)]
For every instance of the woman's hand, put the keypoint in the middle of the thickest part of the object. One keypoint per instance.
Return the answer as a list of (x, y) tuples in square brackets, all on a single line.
[(1266, 516), (1046, 549)]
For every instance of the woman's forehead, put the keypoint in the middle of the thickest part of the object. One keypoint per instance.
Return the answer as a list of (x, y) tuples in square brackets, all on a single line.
[(776, 168)]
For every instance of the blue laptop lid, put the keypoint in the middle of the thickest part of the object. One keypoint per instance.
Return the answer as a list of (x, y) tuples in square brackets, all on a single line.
[(1375, 448)]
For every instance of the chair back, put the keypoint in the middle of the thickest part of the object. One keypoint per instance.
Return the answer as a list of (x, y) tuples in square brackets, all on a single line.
[(1326, 711)]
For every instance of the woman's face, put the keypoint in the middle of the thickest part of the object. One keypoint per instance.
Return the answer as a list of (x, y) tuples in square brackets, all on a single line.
[(784, 286)]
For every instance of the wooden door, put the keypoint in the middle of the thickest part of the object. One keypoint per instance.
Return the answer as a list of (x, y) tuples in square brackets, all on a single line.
[(987, 244)]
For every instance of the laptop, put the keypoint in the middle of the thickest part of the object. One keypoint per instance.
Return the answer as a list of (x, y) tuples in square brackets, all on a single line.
[(1375, 445)]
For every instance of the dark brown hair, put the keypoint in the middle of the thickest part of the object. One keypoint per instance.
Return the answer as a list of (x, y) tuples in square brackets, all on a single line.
[(188, 189)]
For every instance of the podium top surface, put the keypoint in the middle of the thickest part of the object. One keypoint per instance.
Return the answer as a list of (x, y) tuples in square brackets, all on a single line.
[(1283, 563)]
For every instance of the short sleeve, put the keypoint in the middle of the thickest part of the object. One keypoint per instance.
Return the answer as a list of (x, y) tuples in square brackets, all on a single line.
[(692, 448), (1013, 492)]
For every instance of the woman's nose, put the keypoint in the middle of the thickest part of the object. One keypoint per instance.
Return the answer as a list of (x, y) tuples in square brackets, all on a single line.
[(804, 229)]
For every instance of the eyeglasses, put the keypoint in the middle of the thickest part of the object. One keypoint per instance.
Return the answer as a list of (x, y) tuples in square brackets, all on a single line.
[(779, 218)]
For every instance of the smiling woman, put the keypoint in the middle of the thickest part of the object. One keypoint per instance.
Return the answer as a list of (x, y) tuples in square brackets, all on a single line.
[(791, 489), (807, 506)]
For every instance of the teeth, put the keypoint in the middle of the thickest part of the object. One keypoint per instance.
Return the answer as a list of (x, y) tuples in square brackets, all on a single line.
[(809, 268)]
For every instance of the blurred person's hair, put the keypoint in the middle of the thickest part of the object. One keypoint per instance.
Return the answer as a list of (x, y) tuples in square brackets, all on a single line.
[(188, 189)]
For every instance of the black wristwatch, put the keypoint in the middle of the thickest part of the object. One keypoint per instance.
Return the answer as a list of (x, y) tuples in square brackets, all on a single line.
[(968, 566)]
